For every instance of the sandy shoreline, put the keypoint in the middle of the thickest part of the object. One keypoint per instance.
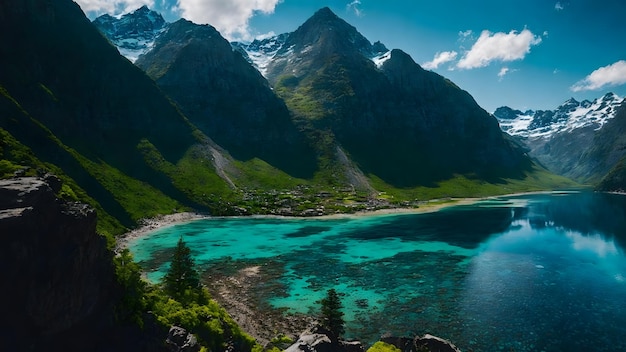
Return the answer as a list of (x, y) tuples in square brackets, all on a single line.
[(151, 224)]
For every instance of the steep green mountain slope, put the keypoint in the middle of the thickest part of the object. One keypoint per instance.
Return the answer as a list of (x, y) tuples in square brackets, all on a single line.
[(226, 98), (400, 123), (69, 96)]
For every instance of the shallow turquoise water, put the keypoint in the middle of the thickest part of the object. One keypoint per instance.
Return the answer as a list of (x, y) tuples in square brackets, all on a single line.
[(530, 273)]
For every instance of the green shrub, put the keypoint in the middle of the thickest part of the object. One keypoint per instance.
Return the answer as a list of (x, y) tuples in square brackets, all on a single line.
[(383, 347)]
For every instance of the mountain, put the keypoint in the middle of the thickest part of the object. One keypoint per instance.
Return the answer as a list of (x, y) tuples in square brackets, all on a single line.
[(349, 112), (68, 96), (321, 36), (225, 97), (562, 139), (607, 154), (133, 33), (398, 122), (566, 117)]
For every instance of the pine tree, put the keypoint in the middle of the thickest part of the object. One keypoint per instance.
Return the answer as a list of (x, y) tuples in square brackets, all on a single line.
[(131, 304), (182, 274), (332, 316)]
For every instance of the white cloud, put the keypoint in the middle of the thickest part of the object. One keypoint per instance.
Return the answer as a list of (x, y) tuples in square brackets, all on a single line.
[(465, 35), (440, 58), (230, 17), (354, 6), (611, 75), (114, 7), (505, 71), (558, 6), (498, 47)]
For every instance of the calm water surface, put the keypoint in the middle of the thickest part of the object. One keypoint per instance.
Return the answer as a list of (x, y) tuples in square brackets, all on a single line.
[(528, 273)]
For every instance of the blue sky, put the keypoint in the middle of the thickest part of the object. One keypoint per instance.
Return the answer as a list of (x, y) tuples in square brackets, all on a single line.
[(530, 54)]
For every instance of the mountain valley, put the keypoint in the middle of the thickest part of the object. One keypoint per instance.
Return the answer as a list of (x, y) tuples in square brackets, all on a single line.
[(139, 118)]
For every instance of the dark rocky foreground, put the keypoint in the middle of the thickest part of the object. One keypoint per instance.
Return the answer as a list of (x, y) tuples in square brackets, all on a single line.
[(58, 280), (319, 339)]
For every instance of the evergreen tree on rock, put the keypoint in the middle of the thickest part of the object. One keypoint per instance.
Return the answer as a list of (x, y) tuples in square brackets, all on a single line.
[(182, 274), (332, 316)]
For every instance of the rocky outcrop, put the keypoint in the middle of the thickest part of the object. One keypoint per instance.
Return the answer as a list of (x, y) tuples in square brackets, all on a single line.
[(420, 343), (180, 340), (319, 339), (56, 270)]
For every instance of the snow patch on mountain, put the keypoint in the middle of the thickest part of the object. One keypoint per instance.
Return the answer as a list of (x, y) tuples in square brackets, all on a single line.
[(134, 33), (260, 52), (567, 117), (381, 59)]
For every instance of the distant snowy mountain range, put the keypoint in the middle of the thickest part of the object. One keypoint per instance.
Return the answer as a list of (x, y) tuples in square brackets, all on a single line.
[(569, 116), (134, 34)]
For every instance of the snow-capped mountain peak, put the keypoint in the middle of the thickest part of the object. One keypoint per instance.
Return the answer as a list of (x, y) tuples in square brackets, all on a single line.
[(133, 33), (566, 117)]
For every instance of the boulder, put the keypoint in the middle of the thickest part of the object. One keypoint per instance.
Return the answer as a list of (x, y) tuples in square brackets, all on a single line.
[(430, 342), (319, 339), (179, 340)]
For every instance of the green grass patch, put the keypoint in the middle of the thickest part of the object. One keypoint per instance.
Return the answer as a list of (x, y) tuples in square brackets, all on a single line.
[(139, 199), (461, 186), (194, 174), (257, 174)]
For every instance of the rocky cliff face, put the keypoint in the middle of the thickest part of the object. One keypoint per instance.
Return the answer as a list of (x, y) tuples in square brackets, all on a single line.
[(56, 270), (59, 284)]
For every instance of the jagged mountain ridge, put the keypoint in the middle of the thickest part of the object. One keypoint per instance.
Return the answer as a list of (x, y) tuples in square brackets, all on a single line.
[(383, 112), (357, 99), (566, 117), (564, 139), (134, 33)]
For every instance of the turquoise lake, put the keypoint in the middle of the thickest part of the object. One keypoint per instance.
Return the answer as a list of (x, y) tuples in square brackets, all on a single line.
[(542, 272)]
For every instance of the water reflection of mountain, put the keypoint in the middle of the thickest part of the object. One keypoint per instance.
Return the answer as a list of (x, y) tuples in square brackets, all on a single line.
[(587, 213), (463, 226)]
